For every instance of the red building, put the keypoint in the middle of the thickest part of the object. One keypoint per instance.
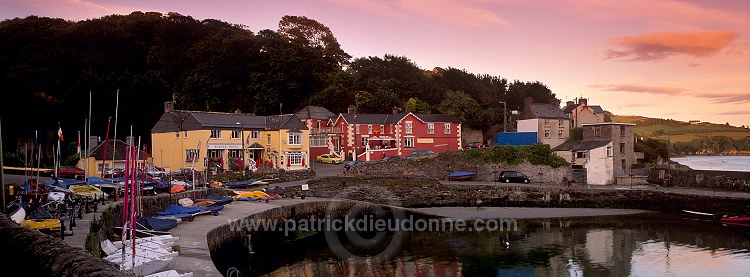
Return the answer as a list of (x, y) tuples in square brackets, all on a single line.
[(317, 120)]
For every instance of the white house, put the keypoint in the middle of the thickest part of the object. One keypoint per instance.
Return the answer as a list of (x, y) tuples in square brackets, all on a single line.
[(595, 157)]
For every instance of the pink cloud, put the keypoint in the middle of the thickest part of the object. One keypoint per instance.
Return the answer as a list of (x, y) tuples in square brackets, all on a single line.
[(733, 113), (656, 46), (665, 13), (461, 13), (719, 97), (79, 9)]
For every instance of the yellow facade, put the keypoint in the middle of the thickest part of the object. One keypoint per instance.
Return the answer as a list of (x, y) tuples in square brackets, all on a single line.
[(173, 150)]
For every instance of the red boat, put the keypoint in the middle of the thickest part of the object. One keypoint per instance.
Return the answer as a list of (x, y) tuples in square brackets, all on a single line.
[(736, 220)]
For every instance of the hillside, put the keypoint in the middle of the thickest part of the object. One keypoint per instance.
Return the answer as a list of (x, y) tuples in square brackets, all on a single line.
[(680, 131)]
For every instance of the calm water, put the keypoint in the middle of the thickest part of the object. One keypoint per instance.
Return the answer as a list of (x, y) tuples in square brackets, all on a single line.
[(724, 163), (652, 244)]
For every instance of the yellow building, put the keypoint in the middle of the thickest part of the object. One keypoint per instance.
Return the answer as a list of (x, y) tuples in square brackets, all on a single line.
[(215, 141)]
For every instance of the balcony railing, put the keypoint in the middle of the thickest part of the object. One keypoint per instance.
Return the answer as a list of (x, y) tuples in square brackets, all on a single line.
[(327, 130)]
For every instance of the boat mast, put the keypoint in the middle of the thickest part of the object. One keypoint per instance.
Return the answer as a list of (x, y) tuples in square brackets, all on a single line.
[(114, 138), (86, 138), (2, 182), (104, 155)]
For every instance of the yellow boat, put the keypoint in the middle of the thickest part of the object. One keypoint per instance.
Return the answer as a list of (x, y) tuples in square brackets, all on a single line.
[(87, 191), (50, 226)]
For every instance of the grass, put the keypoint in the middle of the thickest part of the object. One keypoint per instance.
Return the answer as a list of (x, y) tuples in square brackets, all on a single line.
[(679, 130)]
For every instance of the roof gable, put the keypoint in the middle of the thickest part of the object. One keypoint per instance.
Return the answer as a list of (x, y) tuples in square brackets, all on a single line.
[(314, 112), (581, 145)]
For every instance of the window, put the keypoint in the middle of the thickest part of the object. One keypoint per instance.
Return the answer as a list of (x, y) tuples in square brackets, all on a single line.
[(236, 134), (318, 141), (447, 128), (409, 142), (546, 134), (215, 153), (597, 131), (268, 139), (234, 153), (364, 141), (623, 164), (546, 123), (369, 129), (293, 138), (295, 158), (430, 128), (560, 124), (560, 134), (184, 134), (622, 147), (256, 135), (176, 134), (622, 130), (191, 155), (609, 150), (215, 134), (580, 155), (408, 127)]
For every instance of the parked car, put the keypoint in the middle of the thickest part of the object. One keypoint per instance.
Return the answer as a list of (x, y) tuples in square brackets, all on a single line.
[(419, 153), (155, 171), (114, 172), (475, 144), (187, 172), (513, 177), (355, 163), (67, 171), (329, 159), (390, 159)]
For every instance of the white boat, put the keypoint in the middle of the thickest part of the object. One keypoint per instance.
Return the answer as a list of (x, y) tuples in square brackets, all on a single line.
[(149, 257)]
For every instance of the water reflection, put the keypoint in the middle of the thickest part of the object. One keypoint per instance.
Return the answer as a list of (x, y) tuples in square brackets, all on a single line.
[(638, 245)]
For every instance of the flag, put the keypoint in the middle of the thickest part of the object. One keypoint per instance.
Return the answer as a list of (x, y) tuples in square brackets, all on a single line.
[(36, 142), (59, 133)]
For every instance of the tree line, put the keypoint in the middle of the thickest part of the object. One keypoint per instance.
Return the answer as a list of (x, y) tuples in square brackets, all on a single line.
[(50, 66)]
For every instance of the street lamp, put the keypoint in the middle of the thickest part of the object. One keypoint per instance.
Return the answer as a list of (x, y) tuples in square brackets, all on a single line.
[(242, 136), (504, 111)]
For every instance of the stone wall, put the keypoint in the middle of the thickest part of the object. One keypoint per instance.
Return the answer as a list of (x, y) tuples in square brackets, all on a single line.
[(702, 179), (30, 253), (469, 135), (438, 166), (275, 177)]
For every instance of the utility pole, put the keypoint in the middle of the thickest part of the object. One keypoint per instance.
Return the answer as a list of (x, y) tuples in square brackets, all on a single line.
[(242, 136), (504, 112)]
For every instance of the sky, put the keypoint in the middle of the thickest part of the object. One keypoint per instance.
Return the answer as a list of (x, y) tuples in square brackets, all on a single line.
[(682, 60)]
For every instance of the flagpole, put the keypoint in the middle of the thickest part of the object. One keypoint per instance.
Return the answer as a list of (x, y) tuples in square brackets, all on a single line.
[(114, 138), (57, 157), (104, 155), (38, 160), (2, 182), (85, 163)]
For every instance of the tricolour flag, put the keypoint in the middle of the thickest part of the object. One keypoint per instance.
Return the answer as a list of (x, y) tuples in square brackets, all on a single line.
[(59, 133)]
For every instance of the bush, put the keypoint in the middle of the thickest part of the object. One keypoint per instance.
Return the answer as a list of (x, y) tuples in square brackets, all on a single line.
[(538, 154)]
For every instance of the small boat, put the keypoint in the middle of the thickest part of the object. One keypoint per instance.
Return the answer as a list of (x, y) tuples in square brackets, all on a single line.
[(88, 191), (698, 215), (147, 260), (170, 273), (460, 176), (246, 183)]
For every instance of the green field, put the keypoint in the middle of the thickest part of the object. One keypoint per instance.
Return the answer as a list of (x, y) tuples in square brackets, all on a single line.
[(679, 130)]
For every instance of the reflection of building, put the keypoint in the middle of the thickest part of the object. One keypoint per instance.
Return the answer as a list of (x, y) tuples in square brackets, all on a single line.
[(547, 120), (216, 141), (420, 267)]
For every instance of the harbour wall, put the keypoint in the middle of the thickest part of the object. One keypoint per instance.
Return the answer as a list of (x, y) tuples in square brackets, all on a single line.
[(701, 179)]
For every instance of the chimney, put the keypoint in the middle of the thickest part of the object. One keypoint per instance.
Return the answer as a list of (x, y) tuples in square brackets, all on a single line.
[(555, 102), (394, 110), (582, 102), (528, 101), (93, 141), (569, 103), (168, 106), (352, 109)]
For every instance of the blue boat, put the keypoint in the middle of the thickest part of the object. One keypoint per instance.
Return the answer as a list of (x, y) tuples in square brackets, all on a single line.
[(460, 176)]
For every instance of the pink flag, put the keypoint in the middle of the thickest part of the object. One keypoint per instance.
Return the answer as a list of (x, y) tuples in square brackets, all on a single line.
[(59, 133)]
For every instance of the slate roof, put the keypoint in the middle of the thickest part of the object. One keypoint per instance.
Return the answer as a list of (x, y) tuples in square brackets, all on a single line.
[(176, 121), (597, 109), (314, 112), (285, 121), (373, 118), (569, 109), (581, 145), (120, 151), (539, 110)]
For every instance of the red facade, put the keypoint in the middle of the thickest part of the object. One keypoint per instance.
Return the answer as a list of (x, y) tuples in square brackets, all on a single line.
[(374, 136)]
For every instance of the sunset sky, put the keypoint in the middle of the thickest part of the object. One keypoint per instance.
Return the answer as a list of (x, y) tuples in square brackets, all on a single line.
[(685, 60)]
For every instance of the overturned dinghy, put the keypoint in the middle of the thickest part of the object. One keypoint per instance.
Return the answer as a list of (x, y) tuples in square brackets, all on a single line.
[(170, 273), (148, 258)]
